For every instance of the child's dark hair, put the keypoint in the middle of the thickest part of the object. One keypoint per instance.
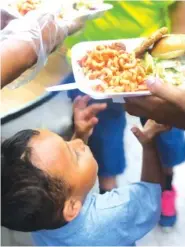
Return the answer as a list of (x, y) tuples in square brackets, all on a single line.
[(30, 198)]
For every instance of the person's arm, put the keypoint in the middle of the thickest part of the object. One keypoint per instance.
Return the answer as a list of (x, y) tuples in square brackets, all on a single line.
[(135, 209), (85, 117), (37, 36), (15, 59), (152, 171), (177, 15), (25, 40)]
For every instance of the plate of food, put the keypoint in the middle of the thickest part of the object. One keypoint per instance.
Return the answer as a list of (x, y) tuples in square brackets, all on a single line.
[(69, 10), (91, 8), (83, 8), (22, 7), (121, 67)]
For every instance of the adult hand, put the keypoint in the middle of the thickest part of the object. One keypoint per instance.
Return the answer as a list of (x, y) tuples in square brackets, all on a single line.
[(168, 92), (167, 105)]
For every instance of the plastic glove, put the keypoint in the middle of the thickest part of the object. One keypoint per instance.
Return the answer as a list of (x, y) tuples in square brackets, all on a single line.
[(43, 32)]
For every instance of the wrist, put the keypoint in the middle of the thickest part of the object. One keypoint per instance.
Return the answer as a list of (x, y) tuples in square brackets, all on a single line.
[(149, 145), (83, 136)]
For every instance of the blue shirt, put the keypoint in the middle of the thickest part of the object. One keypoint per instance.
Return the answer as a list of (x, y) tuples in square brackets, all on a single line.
[(118, 218)]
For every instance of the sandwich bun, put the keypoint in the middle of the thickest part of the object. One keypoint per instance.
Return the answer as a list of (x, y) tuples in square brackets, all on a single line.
[(169, 47)]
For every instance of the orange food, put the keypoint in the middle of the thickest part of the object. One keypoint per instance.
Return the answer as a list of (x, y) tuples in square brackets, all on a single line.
[(118, 70), (24, 6)]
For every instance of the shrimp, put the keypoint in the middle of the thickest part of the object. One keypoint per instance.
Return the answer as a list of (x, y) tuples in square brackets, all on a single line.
[(118, 46), (119, 70), (97, 56)]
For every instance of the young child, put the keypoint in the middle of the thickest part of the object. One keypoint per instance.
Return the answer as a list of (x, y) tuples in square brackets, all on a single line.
[(46, 185), (131, 19)]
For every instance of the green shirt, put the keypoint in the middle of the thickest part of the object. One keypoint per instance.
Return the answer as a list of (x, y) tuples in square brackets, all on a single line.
[(127, 19)]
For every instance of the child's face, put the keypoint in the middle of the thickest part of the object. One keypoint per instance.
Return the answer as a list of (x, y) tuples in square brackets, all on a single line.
[(71, 161)]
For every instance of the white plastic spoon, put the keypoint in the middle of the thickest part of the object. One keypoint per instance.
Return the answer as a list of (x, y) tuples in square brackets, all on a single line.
[(63, 87), (71, 86)]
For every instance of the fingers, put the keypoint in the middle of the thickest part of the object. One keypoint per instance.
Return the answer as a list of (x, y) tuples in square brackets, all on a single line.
[(144, 102), (152, 128), (93, 110), (138, 134), (167, 92), (81, 102), (91, 123)]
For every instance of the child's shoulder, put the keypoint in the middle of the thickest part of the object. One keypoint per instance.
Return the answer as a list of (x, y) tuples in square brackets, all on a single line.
[(124, 196)]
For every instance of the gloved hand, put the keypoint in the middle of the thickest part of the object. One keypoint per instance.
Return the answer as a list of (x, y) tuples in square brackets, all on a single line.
[(42, 31)]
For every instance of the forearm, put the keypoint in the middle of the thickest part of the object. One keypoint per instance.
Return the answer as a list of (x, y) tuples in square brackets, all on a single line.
[(77, 135), (84, 137), (36, 36), (16, 57), (152, 171), (177, 15)]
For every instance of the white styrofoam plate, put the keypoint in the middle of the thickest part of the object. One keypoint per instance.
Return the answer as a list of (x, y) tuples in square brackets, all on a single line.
[(72, 14), (99, 11), (80, 50)]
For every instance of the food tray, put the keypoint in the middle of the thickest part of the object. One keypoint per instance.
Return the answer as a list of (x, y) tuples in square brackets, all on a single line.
[(71, 14), (80, 50), (57, 6), (93, 14)]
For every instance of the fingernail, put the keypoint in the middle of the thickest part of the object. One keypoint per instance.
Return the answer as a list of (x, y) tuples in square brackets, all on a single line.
[(134, 130), (153, 80)]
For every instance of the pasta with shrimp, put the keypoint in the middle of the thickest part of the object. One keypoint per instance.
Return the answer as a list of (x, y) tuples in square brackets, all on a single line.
[(118, 70)]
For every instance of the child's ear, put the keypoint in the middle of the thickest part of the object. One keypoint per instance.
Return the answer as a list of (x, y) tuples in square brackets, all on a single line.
[(71, 209)]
